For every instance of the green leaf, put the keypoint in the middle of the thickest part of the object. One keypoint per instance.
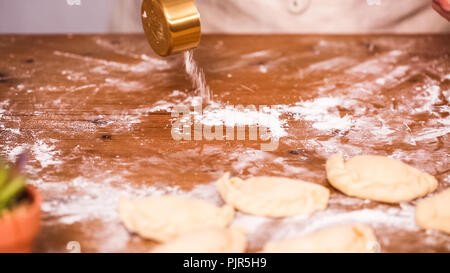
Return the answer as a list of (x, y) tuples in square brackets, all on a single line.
[(11, 190), (4, 175)]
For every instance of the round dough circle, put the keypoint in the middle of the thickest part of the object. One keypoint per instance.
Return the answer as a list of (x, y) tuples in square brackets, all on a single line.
[(434, 212), (165, 217), (378, 178), (273, 196), (211, 240), (341, 239)]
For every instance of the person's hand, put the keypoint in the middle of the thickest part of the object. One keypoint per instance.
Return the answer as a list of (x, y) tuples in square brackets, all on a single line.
[(442, 7)]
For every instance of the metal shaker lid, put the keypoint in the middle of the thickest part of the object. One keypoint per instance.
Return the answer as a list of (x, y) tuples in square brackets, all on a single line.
[(171, 26)]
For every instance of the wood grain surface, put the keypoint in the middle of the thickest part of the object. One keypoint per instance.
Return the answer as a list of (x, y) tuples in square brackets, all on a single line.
[(93, 112)]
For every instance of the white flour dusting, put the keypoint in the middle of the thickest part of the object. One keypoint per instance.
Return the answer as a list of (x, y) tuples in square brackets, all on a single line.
[(396, 53), (45, 154), (380, 81), (334, 122), (3, 129), (430, 134), (15, 131), (257, 54), (263, 69), (248, 160), (231, 117), (12, 155), (376, 65), (124, 85), (74, 76), (176, 98), (393, 76), (144, 66), (226, 115), (3, 106), (375, 128), (416, 158), (427, 98), (323, 113), (330, 64)]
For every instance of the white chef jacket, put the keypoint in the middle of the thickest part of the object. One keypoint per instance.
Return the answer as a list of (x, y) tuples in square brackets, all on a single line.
[(301, 16)]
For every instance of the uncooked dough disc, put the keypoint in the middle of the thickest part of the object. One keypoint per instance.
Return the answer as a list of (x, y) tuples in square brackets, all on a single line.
[(165, 217), (340, 239), (434, 212), (273, 196), (378, 178), (210, 240)]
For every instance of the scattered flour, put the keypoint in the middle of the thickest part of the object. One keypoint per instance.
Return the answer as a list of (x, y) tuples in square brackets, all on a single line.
[(381, 81), (393, 76), (3, 106), (323, 113), (330, 64), (427, 98), (249, 160), (45, 154), (234, 116), (263, 69), (430, 134), (376, 65), (177, 98), (12, 155), (74, 76), (124, 85), (144, 66), (257, 54), (15, 131)]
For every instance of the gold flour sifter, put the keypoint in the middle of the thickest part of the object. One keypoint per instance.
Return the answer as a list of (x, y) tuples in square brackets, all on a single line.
[(171, 26)]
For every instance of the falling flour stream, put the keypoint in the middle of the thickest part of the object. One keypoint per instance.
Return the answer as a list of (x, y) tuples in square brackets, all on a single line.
[(197, 76)]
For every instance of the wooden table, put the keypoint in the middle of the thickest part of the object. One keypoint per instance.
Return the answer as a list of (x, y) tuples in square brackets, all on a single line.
[(94, 114)]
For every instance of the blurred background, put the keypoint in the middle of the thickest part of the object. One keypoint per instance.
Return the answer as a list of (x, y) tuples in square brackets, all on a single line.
[(55, 16), (228, 16)]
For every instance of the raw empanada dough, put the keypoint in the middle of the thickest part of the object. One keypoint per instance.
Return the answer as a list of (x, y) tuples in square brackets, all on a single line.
[(163, 218), (273, 196), (434, 212), (210, 240), (378, 178), (340, 239)]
